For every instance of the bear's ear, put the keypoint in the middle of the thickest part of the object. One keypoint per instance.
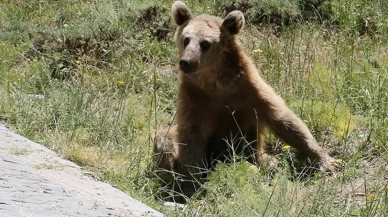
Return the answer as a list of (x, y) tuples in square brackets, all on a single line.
[(180, 12), (234, 22)]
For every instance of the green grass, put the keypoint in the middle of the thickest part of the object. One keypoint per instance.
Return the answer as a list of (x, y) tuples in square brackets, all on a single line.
[(94, 80)]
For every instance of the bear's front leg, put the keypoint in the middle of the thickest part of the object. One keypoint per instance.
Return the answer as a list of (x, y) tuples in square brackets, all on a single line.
[(191, 149), (164, 153), (294, 132), (291, 129), (179, 163)]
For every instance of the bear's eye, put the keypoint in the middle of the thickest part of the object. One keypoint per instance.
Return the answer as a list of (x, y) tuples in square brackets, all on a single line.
[(205, 45), (186, 41)]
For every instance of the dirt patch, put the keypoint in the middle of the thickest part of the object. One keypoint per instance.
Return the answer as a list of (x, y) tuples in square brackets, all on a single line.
[(368, 186), (305, 11), (66, 53), (367, 26), (316, 10), (277, 19), (156, 20)]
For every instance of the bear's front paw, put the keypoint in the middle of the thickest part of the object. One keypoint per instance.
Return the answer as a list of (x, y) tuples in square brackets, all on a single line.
[(267, 162), (328, 164)]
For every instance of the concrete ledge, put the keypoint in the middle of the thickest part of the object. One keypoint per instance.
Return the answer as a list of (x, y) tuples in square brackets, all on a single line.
[(35, 181)]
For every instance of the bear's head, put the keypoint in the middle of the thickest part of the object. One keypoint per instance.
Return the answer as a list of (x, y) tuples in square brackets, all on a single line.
[(202, 39)]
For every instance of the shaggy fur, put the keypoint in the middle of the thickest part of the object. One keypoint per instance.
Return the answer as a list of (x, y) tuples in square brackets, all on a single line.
[(222, 98)]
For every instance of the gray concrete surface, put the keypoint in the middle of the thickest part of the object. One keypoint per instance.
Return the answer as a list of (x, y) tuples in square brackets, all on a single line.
[(36, 182)]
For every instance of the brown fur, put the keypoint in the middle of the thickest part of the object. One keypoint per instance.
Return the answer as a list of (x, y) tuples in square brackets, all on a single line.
[(221, 96)]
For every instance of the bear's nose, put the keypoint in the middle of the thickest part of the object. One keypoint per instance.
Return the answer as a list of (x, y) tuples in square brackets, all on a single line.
[(184, 64), (187, 66)]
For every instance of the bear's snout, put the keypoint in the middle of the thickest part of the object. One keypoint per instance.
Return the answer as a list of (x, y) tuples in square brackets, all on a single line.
[(187, 66)]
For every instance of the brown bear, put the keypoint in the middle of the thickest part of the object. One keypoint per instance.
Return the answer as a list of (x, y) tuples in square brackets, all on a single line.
[(224, 106)]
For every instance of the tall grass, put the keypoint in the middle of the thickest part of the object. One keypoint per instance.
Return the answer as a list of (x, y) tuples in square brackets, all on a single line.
[(94, 80)]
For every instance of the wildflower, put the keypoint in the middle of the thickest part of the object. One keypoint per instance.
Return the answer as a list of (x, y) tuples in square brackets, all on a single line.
[(257, 51), (78, 62), (286, 148), (370, 197), (338, 161), (120, 82)]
